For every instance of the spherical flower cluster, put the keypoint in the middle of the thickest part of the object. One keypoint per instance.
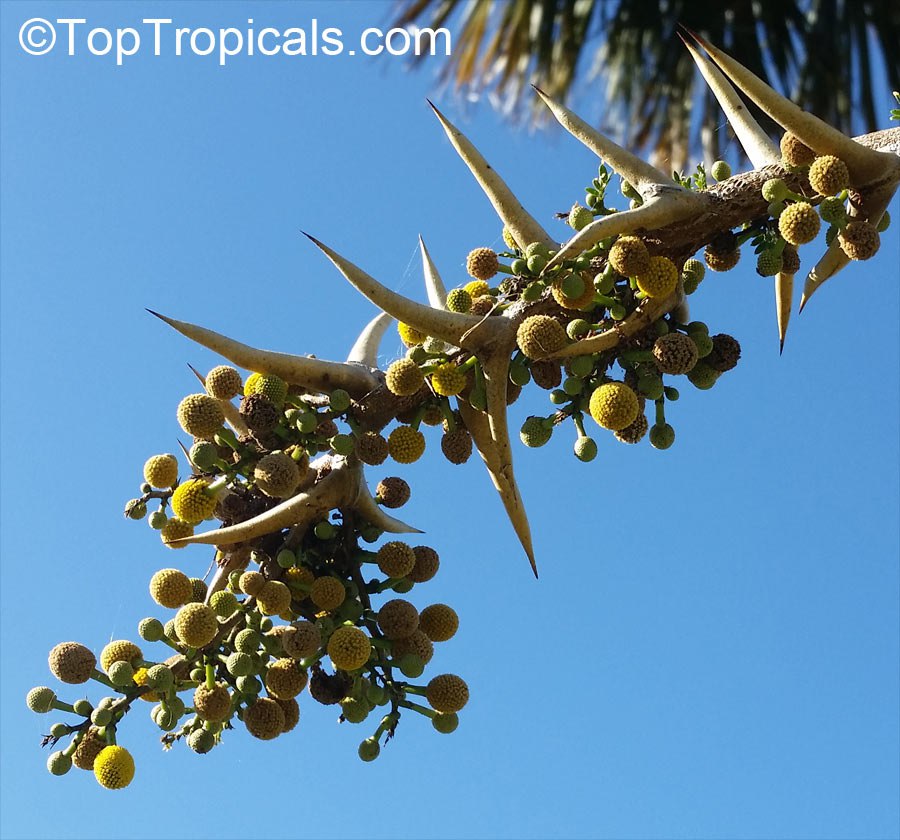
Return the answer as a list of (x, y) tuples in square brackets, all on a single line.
[(196, 625), (634, 432), (426, 564), (41, 699), (410, 336), (629, 256), (327, 593), (264, 718), (459, 300), (799, 223), (794, 152), (828, 175), (396, 559), (349, 648), (277, 475), (114, 767), (398, 619), (447, 380), (406, 444), (859, 240), (302, 640), (457, 445), (660, 278), (273, 387), (175, 529), (447, 693), (259, 413), (371, 448), (404, 377), (223, 382), (274, 598), (212, 704), (482, 263), (416, 644), (161, 471), (477, 288), (393, 492), (439, 622), (540, 335), (674, 353), (71, 662), (285, 680), (200, 415), (614, 406), (120, 650), (192, 501)]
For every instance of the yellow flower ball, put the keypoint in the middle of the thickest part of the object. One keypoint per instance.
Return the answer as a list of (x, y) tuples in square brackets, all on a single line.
[(349, 648), (114, 767), (192, 502), (660, 279), (161, 471), (614, 406)]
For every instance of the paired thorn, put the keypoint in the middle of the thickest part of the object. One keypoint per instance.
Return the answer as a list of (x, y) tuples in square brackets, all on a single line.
[(865, 165), (757, 145)]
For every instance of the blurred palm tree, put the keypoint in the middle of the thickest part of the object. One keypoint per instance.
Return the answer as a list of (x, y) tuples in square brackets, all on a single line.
[(826, 55)]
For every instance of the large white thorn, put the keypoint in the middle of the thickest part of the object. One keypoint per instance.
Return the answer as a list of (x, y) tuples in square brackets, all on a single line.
[(448, 326), (641, 175), (434, 286), (758, 146), (313, 374), (496, 376), (524, 227), (669, 204), (784, 294), (865, 165), (365, 349), (334, 490), (831, 262), (366, 506)]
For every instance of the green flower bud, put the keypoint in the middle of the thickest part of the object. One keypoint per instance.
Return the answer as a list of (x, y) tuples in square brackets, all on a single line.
[(157, 520), (121, 674), (369, 749), (58, 763), (445, 722), (585, 449), (340, 400), (59, 730), (325, 530), (83, 707), (239, 664), (662, 436)]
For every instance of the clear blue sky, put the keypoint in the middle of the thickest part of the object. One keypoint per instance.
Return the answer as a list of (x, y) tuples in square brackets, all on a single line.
[(712, 648)]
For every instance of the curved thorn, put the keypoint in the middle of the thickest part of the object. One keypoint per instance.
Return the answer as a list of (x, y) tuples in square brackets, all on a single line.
[(642, 317), (670, 204), (832, 261), (334, 490), (758, 146), (524, 228), (637, 172), (232, 415), (434, 286), (313, 374), (479, 427), (784, 293), (864, 164), (449, 326), (366, 506), (365, 349), (496, 375)]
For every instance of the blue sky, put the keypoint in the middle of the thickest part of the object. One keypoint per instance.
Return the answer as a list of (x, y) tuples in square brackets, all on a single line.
[(712, 648)]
